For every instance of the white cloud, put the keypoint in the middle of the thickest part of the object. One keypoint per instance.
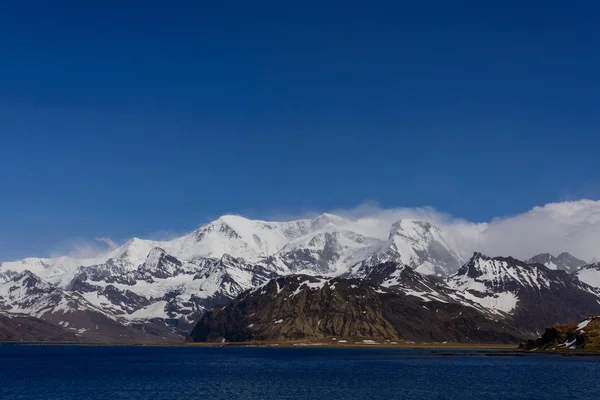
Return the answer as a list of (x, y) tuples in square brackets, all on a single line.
[(81, 248), (572, 226)]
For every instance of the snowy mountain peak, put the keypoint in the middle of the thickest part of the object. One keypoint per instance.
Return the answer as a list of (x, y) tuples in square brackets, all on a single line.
[(227, 259), (134, 252), (567, 256), (222, 226), (234, 219), (30, 280), (241, 237), (420, 245), (160, 264), (564, 261), (154, 257), (411, 228), (324, 219), (479, 256), (330, 249), (502, 274), (570, 262), (540, 258), (487, 268)]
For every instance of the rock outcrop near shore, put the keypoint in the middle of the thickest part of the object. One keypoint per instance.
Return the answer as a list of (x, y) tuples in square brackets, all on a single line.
[(584, 335)]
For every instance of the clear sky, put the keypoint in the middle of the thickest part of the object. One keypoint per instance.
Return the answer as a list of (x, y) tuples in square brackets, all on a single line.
[(128, 119)]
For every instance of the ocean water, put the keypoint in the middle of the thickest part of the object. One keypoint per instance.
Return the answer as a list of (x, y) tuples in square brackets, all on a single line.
[(63, 372)]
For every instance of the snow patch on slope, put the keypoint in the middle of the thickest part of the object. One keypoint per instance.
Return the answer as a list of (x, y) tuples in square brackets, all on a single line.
[(590, 274)]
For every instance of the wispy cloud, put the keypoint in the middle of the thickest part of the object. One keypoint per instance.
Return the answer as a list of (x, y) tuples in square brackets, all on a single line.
[(109, 242), (80, 248)]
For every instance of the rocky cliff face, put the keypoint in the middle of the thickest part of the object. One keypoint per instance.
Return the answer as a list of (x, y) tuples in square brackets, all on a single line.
[(304, 307)]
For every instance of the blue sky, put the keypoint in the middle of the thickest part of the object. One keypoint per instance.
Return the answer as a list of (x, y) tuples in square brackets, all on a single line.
[(133, 119)]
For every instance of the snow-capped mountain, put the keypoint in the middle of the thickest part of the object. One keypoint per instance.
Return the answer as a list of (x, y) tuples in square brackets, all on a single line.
[(419, 245), (402, 278), (28, 294), (163, 287), (327, 244), (532, 294), (564, 261), (233, 235), (237, 236), (328, 250), (60, 270)]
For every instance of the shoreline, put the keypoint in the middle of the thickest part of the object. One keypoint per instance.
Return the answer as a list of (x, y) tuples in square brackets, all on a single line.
[(499, 349), (362, 344), (291, 344)]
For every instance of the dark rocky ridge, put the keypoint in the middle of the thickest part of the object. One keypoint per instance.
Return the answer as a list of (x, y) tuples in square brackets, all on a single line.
[(393, 274), (303, 307)]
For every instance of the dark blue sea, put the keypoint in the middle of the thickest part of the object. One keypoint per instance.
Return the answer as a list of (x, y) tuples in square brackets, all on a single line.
[(63, 372)]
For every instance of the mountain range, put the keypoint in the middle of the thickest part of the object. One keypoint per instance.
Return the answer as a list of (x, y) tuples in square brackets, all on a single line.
[(148, 290)]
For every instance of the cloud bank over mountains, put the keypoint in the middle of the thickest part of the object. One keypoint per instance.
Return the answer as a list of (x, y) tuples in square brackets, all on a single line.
[(572, 226)]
